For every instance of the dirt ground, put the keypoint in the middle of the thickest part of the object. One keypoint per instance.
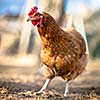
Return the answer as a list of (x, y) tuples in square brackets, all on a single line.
[(19, 83)]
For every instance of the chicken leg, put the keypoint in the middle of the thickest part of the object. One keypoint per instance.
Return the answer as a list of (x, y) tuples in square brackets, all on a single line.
[(66, 89), (44, 86)]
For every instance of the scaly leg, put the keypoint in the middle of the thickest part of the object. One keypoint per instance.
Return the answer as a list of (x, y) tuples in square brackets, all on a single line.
[(66, 89), (44, 86)]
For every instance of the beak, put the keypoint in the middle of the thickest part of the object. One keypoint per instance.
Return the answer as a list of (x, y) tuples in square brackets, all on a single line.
[(30, 19)]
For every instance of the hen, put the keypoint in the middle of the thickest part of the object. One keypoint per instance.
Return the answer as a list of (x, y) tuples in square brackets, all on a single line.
[(63, 53)]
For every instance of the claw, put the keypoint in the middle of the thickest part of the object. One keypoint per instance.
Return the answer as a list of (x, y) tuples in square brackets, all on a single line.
[(65, 95), (39, 93), (43, 88)]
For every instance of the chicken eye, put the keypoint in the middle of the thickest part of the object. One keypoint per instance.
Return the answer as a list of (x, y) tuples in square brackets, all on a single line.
[(38, 14)]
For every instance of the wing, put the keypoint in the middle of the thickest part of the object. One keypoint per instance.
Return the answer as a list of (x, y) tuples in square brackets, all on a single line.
[(72, 47), (78, 38)]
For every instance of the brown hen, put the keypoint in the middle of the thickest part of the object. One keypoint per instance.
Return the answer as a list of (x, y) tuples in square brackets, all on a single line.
[(63, 53)]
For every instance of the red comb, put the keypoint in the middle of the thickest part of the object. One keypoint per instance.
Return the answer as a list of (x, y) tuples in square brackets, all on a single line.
[(33, 10)]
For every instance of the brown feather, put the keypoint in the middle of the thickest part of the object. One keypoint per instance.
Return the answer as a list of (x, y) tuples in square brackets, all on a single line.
[(63, 53)]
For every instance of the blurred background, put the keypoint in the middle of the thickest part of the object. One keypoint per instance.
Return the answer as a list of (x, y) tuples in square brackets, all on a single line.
[(20, 43)]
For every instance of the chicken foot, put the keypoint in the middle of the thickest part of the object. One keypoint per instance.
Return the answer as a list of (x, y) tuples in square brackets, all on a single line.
[(44, 86)]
